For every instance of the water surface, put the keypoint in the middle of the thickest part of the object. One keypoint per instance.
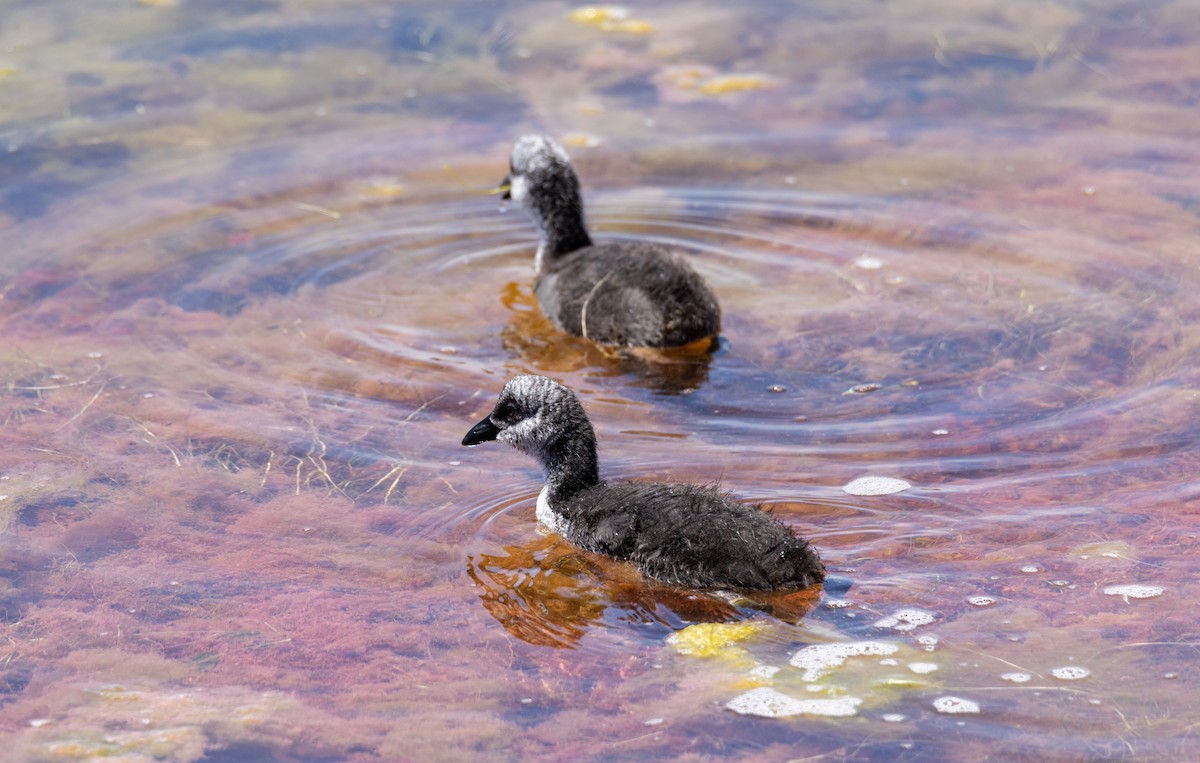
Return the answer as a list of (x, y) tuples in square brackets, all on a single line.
[(252, 294)]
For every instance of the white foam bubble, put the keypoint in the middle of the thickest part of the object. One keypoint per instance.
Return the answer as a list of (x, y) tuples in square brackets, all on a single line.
[(929, 641), (921, 668), (873, 485), (1031, 568), (1017, 678), (1071, 673), (1134, 591), (769, 703), (838, 603), (818, 659), (765, 671), (892, 717), (981, 601), (906, 620), (955, 705)]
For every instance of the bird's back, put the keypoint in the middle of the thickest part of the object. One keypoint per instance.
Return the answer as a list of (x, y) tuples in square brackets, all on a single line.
[(692, 535), (628, 294)]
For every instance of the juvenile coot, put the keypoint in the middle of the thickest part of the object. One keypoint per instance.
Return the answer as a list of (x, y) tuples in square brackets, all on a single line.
[(629, 294), (685, 534)]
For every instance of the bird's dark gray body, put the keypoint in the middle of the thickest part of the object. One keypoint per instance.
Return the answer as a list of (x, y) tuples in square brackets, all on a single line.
[(629, 294), (689, 535)]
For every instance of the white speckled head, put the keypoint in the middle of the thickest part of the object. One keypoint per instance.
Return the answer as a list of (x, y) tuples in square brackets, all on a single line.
[(532, 153), (528, 387), (542, 180), (525, 412), (544, 419)]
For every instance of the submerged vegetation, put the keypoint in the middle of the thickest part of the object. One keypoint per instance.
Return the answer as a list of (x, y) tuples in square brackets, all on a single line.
[(252, 292)]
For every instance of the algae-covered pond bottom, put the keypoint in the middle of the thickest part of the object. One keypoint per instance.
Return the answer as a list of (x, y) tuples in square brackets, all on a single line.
[(253, 293)]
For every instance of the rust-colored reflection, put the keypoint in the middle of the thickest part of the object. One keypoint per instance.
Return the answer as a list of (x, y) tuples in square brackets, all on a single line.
[(549, 593), (533, 338), (540, 592)]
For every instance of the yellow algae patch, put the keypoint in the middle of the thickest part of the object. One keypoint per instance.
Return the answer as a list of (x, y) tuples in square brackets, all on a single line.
[(733, 83), (900, 682), (598, 14), (759, 675), (7, 71), (686, 77), (692, 81), (610, 18), (1105, 549), (629, 26), (713, 639), (122, 723), (581, 140), (385, 188), (590, 108), (182, 743), (115, 693)]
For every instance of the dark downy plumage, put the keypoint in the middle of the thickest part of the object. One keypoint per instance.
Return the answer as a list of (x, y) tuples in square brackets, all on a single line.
[(630, 294), (685, 534)]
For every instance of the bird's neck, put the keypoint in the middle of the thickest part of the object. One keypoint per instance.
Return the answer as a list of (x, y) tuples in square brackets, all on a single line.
[(571, 467), (559, 219)]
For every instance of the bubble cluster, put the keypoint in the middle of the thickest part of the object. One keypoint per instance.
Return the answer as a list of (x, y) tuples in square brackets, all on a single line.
[(1134, 591), (1070, 673), (769, 703), (1017, 678), (764, 671), (872, 485), (818, 659), (906, 620), (955, 705)]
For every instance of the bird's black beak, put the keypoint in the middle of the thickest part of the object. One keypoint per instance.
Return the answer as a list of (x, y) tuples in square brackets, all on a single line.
[(504, 188), (484, 431)]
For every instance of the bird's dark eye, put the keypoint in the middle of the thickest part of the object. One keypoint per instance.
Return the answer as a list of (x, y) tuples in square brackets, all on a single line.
[(505, 412)]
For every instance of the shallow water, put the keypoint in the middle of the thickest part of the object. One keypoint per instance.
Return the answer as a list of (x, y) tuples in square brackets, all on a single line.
[(252, 294)]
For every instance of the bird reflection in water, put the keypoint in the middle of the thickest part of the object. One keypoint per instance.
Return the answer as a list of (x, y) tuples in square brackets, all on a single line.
[(549, 593), (531, 337)]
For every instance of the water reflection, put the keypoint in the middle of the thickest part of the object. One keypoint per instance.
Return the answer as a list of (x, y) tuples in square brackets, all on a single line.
[(548, 593), (538, 345), (244, 307)]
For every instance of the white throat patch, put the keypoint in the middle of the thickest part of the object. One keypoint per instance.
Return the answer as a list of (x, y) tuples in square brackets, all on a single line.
[(548, 516), (518, 188)]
